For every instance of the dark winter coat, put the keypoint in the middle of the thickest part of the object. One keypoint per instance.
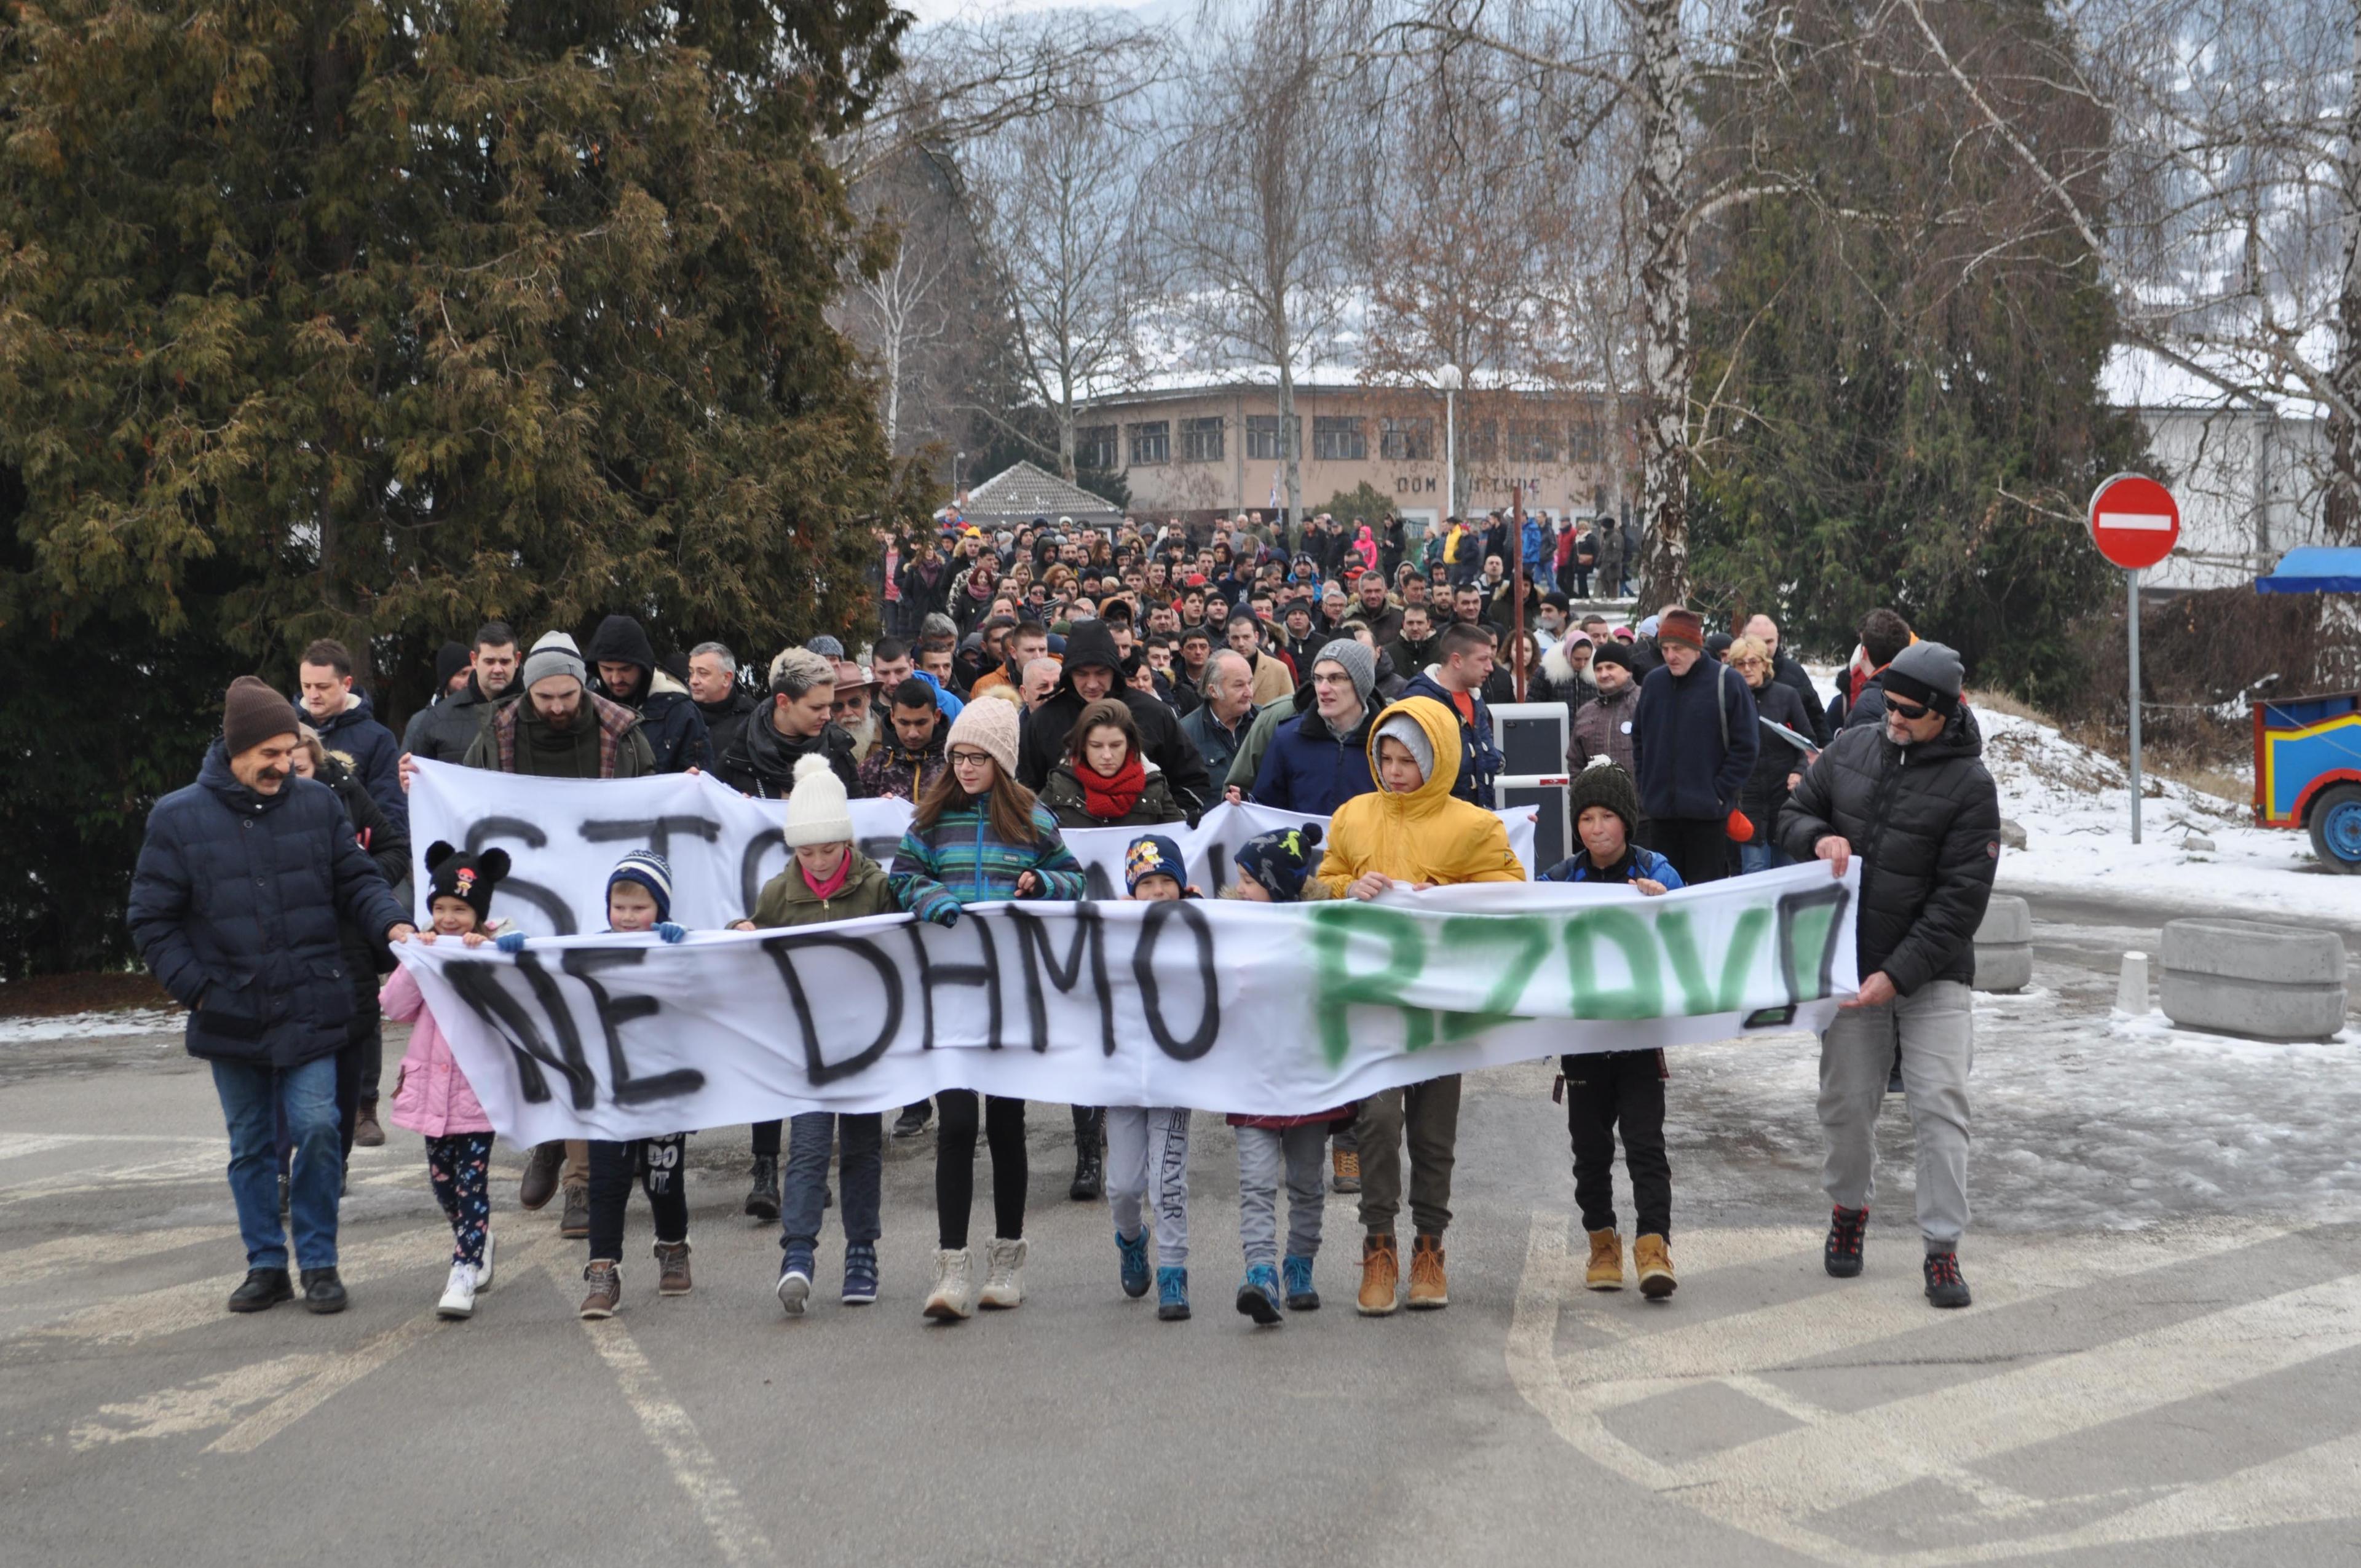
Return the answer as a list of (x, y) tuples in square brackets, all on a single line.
[(1924, 820), (1479, 757), (724, 719), (1063, 797), (761, 762), (609, 747), (235, 908), (1868, 705), (1216, 743), (1043, 744), (1310, 768), (369, 749), (1766, 786), (1411, 657), (1605, 726), (1797, 679), (388, 848), (926, 589), (442, 732), (669, 720), (1684, 770)]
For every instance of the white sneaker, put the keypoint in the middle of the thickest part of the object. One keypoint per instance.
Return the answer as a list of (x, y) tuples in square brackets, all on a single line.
[(1004, 1286), (794, 1289), (458, 1294), (953, 1296), (484, 1269)]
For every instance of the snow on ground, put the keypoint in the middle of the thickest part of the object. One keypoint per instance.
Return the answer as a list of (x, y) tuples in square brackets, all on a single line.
[(91, 1025)]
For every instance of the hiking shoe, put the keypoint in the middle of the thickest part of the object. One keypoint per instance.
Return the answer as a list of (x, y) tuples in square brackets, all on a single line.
[(672, 1268), (953, 1296), (860, 1273), (1090, 1175), (366, 1133), (459, 1293), (1605, 1270), (1651, 1259), (1380, 1273), (1132, 1262), (796, 1280), (1842, 1255), (606, 1291), (1946, 1287), (1003, 1280), (575, 1223), (541, 1168), (1172, 1294), (913, 1119), (1259, 1294), (1296, 1270), (1347, 1170), (262, 1290), (1429, 1290), (323, 1292), (763, 1195)]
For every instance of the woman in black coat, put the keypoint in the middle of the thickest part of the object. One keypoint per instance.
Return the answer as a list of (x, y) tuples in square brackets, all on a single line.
[(1778, 758)]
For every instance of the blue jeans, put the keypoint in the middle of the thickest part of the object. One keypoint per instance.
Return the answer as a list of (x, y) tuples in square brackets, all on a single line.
[(1762, 857), (809, 1137), (252, 1095)]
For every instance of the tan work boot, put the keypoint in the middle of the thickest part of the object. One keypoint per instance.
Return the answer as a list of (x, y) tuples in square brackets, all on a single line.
[(1653, 1260), (1605, 1270), (672, 1268), (606, 1288), (1380, 1273), (1429, 1290), (1347, 1177)]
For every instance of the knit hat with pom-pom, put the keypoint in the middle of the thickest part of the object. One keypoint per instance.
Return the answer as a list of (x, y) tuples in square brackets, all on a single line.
[(816, 812)]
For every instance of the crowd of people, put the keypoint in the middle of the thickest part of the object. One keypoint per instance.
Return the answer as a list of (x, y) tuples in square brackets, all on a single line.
[(1052, 678)]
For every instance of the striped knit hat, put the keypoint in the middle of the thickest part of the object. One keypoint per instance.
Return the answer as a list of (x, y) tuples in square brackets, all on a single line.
[(652, 871)]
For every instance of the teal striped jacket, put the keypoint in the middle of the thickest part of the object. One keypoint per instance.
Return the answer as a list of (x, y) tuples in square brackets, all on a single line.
[(961, 860)]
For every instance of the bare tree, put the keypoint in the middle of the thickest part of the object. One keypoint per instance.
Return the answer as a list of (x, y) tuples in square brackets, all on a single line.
[(906, 317)]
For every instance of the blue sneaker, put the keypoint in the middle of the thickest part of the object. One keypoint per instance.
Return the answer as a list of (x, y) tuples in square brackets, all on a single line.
[(1172, 1294), (1259, 1294), (794, 1281), (860, 1273), (1134, 1254), (1300, 1296)]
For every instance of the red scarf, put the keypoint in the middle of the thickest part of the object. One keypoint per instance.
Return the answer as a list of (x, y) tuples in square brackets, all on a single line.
[(834, 884), (1108, 798)]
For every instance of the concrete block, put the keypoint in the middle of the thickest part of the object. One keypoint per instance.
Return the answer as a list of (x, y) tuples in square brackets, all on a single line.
[(2004, 945), (2131, 986), (2254, 980)]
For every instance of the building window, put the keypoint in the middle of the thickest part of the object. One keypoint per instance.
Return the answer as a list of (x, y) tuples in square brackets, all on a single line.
[(1095, 447), (1532, 440), (1151, 444), (1585, 444), (1200, 440), (1483, 439), (1406, 440), (1338, 439), (1262, 435)]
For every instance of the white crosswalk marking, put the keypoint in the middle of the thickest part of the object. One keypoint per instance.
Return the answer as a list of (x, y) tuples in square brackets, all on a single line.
[(1786, 1488), (42, 1259)]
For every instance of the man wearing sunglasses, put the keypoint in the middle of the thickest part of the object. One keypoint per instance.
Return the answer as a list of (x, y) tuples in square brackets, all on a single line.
[(1910, 796)]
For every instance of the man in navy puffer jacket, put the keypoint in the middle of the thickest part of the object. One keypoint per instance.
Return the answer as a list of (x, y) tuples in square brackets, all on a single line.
[(1320, 760), (234, 906)]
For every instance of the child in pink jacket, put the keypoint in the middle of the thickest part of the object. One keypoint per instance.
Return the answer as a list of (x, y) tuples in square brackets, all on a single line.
[(432, 1096)]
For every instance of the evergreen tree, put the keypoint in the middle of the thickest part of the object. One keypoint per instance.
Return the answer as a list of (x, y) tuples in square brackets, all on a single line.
[(1907, 351)]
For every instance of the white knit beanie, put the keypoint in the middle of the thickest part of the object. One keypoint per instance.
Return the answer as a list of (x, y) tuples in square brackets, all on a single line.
[(990, 728), (817, 813)]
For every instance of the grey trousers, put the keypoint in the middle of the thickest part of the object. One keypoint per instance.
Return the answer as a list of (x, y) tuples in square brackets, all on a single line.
[(1147, 1158), (1429, 1112), (1262, 1151), (1936, 1029)]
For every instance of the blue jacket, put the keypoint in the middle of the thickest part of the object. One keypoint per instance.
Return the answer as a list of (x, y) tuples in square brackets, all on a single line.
[(1307, 768), (1480, 759), (235, 908), (1681, 767), (370, 750), (1636, 863)]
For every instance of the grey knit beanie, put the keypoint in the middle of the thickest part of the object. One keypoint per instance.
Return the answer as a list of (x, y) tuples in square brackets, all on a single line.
[(1357, 662), (554, 654)]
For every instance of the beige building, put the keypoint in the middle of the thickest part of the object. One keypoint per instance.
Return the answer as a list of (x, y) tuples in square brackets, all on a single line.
[(1194, 452)]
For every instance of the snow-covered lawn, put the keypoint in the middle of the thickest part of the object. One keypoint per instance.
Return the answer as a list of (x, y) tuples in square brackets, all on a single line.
[(89, 1025)]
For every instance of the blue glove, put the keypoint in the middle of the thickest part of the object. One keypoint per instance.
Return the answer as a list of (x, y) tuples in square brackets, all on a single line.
[(670, 932), (509, 941)]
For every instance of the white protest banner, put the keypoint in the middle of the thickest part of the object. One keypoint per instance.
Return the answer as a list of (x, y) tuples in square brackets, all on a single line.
[(562, 836), (1218, 1006)]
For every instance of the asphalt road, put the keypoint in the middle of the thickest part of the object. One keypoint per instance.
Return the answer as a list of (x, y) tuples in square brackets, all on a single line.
[(2163, 1365)]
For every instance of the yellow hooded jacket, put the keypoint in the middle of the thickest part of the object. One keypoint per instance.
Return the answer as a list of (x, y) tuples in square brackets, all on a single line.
[(1424, 836)]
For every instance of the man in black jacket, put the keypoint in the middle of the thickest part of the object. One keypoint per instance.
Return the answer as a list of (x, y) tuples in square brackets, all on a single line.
[(722, 702), (443, 731), (1911, 797), (626, 664), (1094, 669)]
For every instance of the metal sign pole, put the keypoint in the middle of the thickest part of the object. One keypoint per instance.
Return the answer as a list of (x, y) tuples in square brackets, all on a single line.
[(2131, 577)]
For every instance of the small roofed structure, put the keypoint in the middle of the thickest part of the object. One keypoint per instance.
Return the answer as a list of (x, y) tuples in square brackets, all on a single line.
[(1021, 492)]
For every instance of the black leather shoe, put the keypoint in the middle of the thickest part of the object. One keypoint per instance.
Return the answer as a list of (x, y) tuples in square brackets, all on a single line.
[(323, 1291), (763, 1197), (263, 1289)]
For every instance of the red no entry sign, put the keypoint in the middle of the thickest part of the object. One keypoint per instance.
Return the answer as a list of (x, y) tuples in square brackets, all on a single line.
[(2134, 521)]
